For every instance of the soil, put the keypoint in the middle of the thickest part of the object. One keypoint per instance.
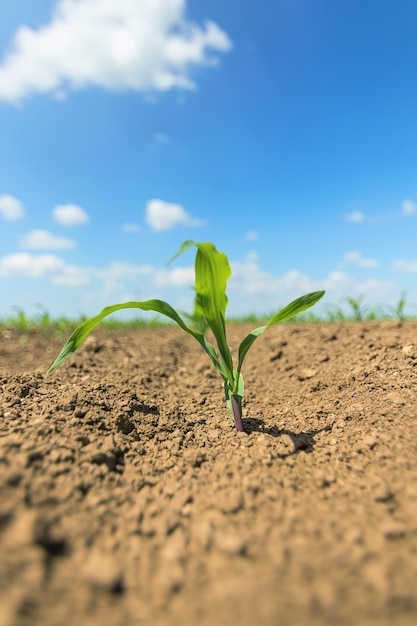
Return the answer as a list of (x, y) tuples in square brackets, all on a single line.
[(127, 498)]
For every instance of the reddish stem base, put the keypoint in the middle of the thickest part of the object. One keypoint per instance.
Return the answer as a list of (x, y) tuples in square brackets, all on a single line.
[(237, 412)]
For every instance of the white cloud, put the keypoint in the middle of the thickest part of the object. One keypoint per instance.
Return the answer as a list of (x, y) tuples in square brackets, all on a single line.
[(118, 45), (252, 289), (70, 215), (10, 207), (130, 228), (251, 235), (355, 217), (71, 276), (408, 207), (162, 215), (119, 276), (357, 259), (338, 283), (43, 240), (177, 277), (115, 275), (38, 266), (29, 265), (249, 279), (407, 267), (375, 289)]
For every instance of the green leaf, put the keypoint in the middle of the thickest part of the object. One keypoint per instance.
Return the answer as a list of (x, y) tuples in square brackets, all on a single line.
[(297, 306), (159, 306), (212, 271)]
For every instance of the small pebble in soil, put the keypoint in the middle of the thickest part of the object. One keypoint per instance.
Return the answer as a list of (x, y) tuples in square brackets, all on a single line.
[(102, 570), (231, 544)]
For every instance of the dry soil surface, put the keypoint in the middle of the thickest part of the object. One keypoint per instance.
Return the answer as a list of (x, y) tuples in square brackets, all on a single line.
[(127, 498)]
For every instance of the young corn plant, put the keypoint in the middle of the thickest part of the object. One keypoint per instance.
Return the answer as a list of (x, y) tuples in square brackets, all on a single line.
[(212, 271)]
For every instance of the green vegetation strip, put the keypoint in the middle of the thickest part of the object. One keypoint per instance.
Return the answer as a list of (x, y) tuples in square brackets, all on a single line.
[(354, 310)]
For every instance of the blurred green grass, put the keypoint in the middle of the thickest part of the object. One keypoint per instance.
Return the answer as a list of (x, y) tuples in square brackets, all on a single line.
[(348, 309)]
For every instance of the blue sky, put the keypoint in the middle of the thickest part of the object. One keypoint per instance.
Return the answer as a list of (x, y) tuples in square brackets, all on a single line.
[(285, 132)]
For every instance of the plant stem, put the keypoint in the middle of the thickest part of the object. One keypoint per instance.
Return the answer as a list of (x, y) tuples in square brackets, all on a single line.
[(237, 411)]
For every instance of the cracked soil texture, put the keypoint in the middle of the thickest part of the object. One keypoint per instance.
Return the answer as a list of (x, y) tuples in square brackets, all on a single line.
[(127, 498)]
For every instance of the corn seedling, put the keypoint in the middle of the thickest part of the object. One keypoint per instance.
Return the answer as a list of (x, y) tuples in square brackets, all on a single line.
[(355, 304), (212, 271), (21, 321), (400, 308)]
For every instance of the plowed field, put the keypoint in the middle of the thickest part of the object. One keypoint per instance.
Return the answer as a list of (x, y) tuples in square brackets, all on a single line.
[(127, 498)]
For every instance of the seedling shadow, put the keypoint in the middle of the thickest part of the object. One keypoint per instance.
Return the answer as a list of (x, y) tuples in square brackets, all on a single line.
[(303, 441)]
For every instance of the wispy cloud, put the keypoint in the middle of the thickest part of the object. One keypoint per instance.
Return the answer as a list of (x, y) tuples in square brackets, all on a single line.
[(44, 240), (357, 259), (158, 140), (117, 45), (355, 216), (130, 228), (408, 207), (408, 267), (116, 275), (71, 277), (70, 215), (251, 235), (10, 207), (161, 215)]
